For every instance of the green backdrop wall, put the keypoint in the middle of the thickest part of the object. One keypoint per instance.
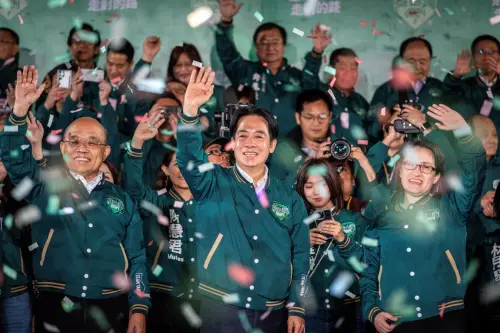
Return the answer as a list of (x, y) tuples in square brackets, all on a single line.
[(373, 28)]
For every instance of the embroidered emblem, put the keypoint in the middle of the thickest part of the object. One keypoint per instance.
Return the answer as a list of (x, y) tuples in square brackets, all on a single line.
[(280, 211), (115, 205), (432, 215), (349, 228)]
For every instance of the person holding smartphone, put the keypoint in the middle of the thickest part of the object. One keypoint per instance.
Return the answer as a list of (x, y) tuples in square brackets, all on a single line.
[(333, 229)]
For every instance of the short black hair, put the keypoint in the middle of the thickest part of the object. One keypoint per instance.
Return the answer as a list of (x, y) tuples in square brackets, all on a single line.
[(481, 38), (311, 96), (85, 27), (341, 52), (122, 46), (170, 95), (14, 34), (406, 43), (244, 110), (269, 26)]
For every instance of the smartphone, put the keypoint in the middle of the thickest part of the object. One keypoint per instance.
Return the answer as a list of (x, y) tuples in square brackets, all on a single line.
[(325, 215), (64, 78), (92, 75)]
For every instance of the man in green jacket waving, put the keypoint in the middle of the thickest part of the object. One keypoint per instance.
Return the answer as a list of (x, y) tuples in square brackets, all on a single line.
[(87, 232), (253, 247)]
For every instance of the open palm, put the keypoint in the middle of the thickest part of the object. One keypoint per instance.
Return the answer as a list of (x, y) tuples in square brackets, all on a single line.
[(34, 134), (199, 90), (26, 91)]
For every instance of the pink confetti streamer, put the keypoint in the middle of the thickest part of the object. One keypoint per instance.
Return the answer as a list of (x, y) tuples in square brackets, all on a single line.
[(139, 119), (262, 196), (332, 82), (363, 142), (105, 42), (242, 275), (438, 13), (122, 100), (229, 146), (358, 60), (486, 108), (374, 23), (163, 220), (75, 196), (56, 131), (344, 119), (121, 281), (150, 243), (364, 23), (113, 15), (332, 129), (377, 32), (20, 18), (495, 20), (53, 139), (441, 313)]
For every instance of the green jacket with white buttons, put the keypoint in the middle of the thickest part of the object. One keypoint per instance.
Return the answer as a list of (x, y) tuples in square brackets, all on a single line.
[(276, 93), (235, 229), (417, 269), (83, 239), (169, 248), (327, 262)]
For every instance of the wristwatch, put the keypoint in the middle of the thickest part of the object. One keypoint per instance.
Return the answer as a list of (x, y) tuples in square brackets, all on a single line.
[(426, 126)]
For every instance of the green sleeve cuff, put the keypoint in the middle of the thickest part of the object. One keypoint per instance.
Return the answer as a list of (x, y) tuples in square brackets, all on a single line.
[(344, 243), (225, 25), (316, 55), (373, 314), (140, 308), (463, 134), (42, 163), (296, 311), (17, 121), (185, 119), (135, 153)]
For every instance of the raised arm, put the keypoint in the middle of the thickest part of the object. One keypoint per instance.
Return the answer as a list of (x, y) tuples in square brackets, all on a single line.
[(190, 155), (471, 159), (310, 73)]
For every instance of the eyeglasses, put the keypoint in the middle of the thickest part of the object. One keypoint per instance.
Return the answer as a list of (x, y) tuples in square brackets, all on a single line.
[(485, 52), (321, 118), (92, 144), (274, 43), (424, 168), (216, 152)]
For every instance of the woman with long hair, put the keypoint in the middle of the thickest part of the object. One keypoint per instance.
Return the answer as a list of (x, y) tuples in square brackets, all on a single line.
[(331, 230)]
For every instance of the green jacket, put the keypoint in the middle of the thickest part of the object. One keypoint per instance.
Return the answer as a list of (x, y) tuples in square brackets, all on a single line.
[(84, 239), (418, 267), (475, 93), (170, 249), (276, 93), (323, 272), (236, 229)]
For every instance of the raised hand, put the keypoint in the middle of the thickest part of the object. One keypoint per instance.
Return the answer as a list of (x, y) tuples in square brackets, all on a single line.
[(199, 90), (147, 128), (26, 91), (151, 47), (34, 132), (448, 118), (77, 85), (320, 38), (11, 95), (413, 115), (462, 66), (55, 94), (228, 9), (104, 91)]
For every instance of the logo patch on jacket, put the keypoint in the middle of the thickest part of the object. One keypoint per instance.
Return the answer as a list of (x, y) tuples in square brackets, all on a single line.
[(115, 205), (280, 211), (349, 228), (432, 215)]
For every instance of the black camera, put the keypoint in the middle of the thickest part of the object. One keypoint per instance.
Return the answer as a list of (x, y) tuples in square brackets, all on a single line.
[(224, 118), (340, 149), (405, 127)]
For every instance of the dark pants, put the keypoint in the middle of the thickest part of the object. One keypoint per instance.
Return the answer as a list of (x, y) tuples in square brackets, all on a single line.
[(166, 315), (347, 319), (453, 321), (86, 316), (218, 317)]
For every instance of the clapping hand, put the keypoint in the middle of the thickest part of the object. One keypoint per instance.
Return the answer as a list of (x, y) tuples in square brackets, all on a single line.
[(26, 91)]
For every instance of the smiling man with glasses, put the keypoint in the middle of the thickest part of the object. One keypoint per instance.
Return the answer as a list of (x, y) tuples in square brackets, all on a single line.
[(479, 89), (275, 82), (88, 230)]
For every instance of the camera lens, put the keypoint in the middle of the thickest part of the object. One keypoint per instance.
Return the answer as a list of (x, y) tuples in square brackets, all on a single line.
[(340, 149)]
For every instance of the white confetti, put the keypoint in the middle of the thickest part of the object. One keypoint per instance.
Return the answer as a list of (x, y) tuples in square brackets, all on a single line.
[(265, 314), (298, 32), (310, 219), (24, 147), (341, 283), (162, 191), (331, 257), (67, 211), (297, 159), (199, 16), (50, 328), (190, 166), (23, 189), (68, 301), (231, 298), (151, 85), (339, 322), (10, 129), (454, 182), (490, 293), (205, 167), (369, 241), (198, 235), (349, 294), (310, 7), (33, 246), (150, 207), (382, 112), (193, 319), (77, 110), (178, 204), (197, 64), (27, 215), (495, 20), (51, 119), (344, 119)]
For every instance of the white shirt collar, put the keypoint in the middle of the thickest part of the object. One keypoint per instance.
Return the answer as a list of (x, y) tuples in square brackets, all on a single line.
[(260, 183), (90, 186), (488, 84)]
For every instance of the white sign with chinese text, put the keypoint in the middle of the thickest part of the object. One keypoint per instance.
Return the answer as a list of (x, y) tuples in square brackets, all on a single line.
[(107, 5), (322, 7)]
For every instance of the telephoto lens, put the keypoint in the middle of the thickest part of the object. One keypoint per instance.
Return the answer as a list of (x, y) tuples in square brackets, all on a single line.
[(340, 149)]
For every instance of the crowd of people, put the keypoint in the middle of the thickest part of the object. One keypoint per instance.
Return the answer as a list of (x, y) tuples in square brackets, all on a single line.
[(279, 204)]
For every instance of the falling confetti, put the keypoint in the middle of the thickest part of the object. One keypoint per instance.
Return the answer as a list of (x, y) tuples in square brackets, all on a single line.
[(178, 204), (438, 13), (298, 32), (297, 159), (50, 328), (364, 23), (205, 167), (197, 64), (332, 82), (449, 11), (344, 119), (369, 241), (53, 205), (472, 269), (192, 317), (317, 170), (377, 32), (100, 318), (454, 182), (56, 3), (349, 294), (198, 235), (22, 189), (355, 264), (332, 129), (331, 256), (53, 139), (163, 220), (310, 7), (229, 146), (231, 298), (363, 142), (392, 162), (262, 196), (258, 16), (151, 208), (33, 246), (244, 321), (495, 20), (242, 275), (199, 16), (486, 108), (157, 270), (8, 271), (330, 70), (341, 283), (20, 19), (311, 218)]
